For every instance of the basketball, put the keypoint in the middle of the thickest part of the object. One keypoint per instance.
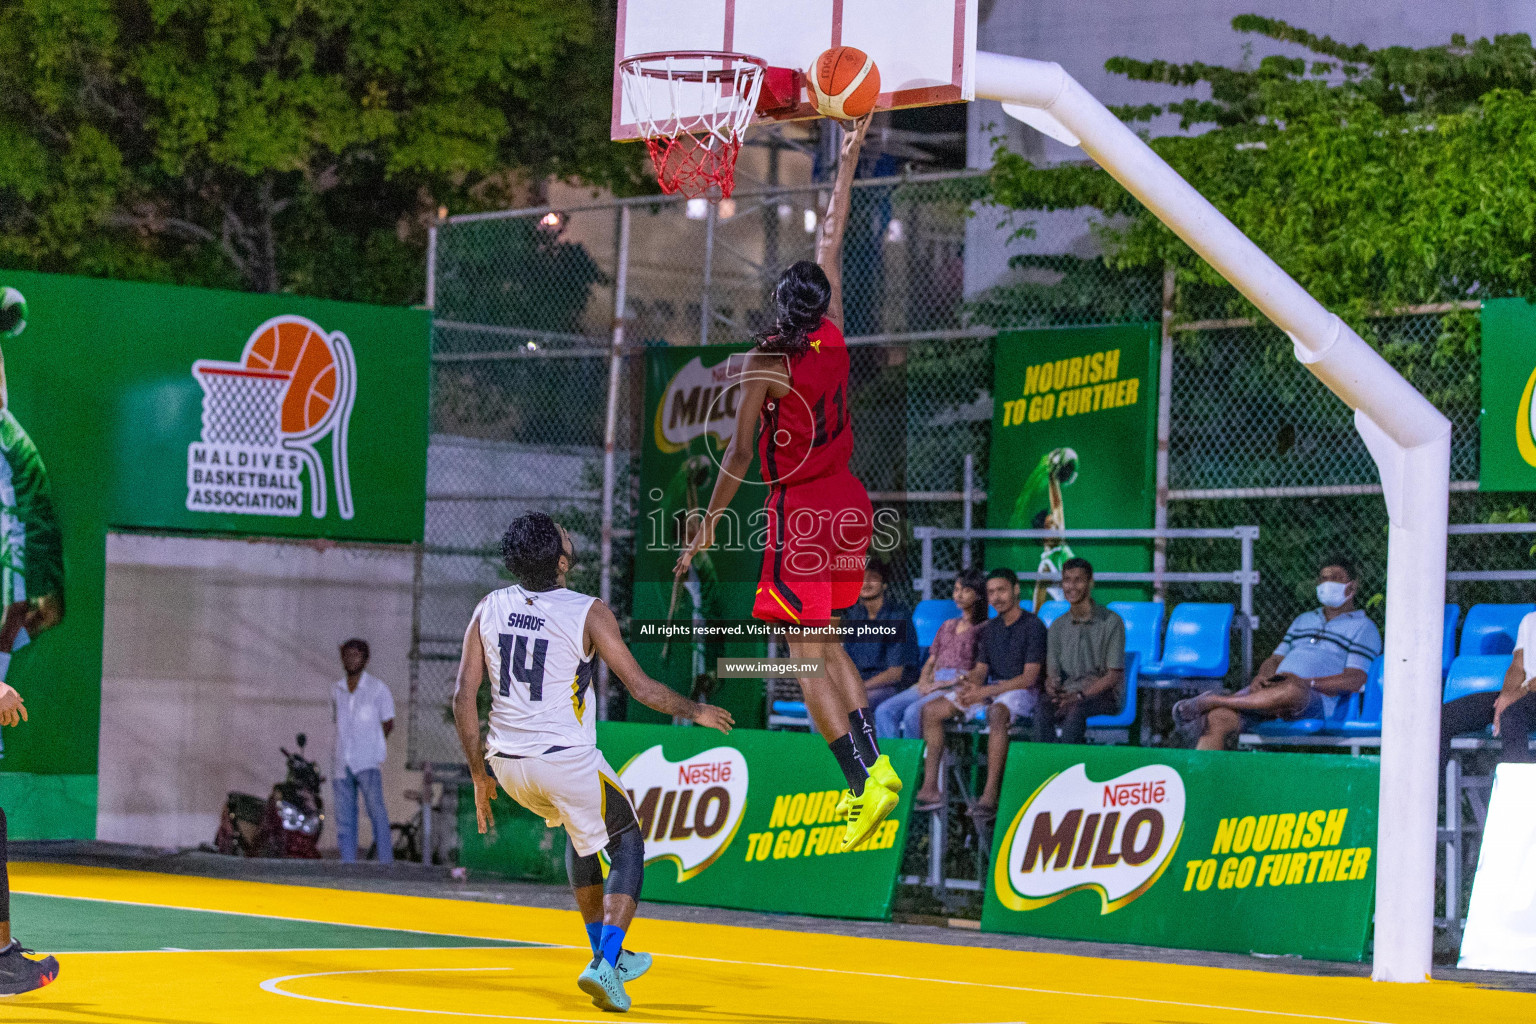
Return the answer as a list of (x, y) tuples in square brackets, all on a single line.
[(13, 313), (296, 346), (844, 83)]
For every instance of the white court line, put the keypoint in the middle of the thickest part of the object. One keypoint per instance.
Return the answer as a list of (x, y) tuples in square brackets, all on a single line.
[(1022, 988), (271, 985)]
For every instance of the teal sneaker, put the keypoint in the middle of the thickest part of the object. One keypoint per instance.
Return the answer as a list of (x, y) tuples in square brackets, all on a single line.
[(602, 983), (631, 965)]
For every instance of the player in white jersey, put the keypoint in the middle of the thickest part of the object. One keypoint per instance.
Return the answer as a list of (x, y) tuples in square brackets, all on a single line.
[(539, 644)]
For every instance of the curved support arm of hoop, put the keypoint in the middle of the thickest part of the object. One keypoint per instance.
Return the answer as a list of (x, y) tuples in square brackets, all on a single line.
[(306, 451), (346, 396)]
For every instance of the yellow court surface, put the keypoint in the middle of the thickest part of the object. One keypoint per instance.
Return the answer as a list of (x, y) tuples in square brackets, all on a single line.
[(138, 947)]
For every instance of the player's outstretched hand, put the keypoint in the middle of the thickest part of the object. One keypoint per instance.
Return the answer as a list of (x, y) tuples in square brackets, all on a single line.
[(701, 536), (714, 718), (12, 710), (485, 792)]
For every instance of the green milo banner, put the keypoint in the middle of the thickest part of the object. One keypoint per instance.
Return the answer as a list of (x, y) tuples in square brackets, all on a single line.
[(134, 406), (1073, 444), (690, 415), (1507, 429), (747, 821), (1270, 853)]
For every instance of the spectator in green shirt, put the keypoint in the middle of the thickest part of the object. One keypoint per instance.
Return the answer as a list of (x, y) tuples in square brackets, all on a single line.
[(1084, 661)]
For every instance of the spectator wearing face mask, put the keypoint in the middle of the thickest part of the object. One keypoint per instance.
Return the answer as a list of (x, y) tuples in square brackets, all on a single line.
[(1324, 657)]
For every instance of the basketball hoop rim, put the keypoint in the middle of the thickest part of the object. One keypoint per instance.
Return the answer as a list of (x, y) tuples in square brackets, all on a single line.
[(239, 371), (635, 64)]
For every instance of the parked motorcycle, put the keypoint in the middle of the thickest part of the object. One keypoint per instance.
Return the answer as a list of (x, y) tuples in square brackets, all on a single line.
[(287, 824)]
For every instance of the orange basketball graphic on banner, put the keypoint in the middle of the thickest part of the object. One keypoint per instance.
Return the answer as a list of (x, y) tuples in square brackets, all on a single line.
[(264, 416), (294, 347)]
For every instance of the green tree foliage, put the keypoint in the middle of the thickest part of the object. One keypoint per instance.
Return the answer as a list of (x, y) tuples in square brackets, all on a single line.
[(1377, 178), (286, 144)]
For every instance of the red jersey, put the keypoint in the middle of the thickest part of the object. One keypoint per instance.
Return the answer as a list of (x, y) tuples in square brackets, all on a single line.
[(808, 434)]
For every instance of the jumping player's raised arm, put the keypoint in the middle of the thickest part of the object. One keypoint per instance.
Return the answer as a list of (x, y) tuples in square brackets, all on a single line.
[(603, 633), (761, 369), (466, 719), (829, 240)]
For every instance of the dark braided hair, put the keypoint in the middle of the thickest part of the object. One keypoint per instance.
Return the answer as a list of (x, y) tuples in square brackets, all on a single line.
[(800, 300)]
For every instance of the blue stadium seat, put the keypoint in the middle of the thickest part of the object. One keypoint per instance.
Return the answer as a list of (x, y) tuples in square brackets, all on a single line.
[(1127, 714), (1332, 722), (1363, 716), (1300, 727), (790, 708), (1050, 611), (1143, 627), (1448, 646), (1491, 628), (1475, 673), (1197, 644), (929, 615)]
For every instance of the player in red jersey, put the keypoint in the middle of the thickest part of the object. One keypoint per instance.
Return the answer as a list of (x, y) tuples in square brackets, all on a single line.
[(795, 401)]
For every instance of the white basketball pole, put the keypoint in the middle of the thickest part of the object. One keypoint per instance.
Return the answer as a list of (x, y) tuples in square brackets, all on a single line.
[(611, 432), (1407, 436)]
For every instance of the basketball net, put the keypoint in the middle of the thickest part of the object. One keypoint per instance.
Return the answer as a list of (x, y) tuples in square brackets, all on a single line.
[(692, 109), (241, 405)]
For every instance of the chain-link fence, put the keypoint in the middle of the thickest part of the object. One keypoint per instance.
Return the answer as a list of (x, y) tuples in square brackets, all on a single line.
[(524, 307), (1255, 438)]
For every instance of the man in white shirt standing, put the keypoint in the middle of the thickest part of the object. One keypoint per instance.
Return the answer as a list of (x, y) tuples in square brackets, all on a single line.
[(365, 716)]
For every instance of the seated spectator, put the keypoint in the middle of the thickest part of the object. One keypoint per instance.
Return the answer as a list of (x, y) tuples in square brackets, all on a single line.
[(1084, 661), (1511, 711), (952, 654), (1010, 654), (1324, 657), (881, 663)]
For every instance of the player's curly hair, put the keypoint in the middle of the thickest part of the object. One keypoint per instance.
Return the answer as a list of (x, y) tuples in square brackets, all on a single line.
[(800, 300), (531, 550)]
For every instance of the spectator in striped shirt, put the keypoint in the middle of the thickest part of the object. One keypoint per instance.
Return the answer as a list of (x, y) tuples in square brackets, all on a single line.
[(1323, 659)]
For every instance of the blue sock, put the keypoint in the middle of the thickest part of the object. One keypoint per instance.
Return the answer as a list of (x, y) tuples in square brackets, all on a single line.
[(611, 942), (595, 936)]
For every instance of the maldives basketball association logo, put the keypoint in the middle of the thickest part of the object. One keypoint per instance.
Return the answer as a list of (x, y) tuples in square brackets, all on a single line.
[(264, 418)]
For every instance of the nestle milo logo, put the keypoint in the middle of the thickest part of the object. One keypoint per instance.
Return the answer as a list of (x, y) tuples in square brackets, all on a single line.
[(1115, 838), (689, 810), (699, 400)]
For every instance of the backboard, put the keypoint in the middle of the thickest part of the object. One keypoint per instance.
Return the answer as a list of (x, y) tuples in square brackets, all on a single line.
[(925, 49)]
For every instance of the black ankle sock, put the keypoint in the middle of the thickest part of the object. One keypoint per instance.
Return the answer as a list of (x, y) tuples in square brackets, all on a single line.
[(848, 761), (863, 732)]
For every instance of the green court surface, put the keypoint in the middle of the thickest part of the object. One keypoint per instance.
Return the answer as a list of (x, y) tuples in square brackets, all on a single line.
[(60, 924)]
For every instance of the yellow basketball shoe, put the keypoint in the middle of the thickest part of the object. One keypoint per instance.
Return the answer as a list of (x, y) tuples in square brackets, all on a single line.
[(867, 811), (882, 772)]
